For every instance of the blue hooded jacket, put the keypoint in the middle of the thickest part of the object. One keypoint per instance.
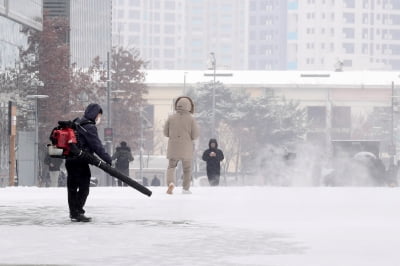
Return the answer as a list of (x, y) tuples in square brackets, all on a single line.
[(87, 133)]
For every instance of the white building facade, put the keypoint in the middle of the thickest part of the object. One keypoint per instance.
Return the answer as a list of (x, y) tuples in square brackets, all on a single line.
[(180, 34), (347, 34)]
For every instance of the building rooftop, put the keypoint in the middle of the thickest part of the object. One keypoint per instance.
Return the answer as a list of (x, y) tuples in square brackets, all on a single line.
[(276, 78)]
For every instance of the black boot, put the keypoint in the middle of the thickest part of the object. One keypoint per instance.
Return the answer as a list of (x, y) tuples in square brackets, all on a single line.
[(81, 218)]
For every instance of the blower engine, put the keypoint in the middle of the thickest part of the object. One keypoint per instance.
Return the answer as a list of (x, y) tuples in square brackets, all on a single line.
[(61, 139)]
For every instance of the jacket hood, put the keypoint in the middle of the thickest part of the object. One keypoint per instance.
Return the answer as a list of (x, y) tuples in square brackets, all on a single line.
[(184, 103), (92, 111), (213, 141), (123, 148)]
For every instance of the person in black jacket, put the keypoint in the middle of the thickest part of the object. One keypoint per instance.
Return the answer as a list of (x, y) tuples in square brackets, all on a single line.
[(123, 156), (54, 169), (78, 171), (213, 156)]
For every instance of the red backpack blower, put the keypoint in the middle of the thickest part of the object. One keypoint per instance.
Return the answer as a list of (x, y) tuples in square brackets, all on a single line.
[(62, 138)]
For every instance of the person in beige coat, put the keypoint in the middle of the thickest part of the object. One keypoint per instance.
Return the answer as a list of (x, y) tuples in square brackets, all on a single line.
[(181, 130)]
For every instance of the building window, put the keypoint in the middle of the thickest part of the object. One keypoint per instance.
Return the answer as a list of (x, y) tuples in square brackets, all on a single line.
[(252, 50), (120, 13), (134, 27), (348, 33), (169, 29), (349, 18), (365, 33), (365, 19), (169, 5), (316, 116), (156, 40), (365, 48), (157, 4), (349, 3), (156, 16), (134, 14), (348, 48), (134, 39), (169, 64), (169, 41), (169, 17), (253, 35), (134, 2)]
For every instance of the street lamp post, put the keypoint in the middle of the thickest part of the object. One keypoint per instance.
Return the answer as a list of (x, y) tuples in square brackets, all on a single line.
[(214, 64), (36, 147), (392, 149), (184, 83), (141, 143), (108, 140)]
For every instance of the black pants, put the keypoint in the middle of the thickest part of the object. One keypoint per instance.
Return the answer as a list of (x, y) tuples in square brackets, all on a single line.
[(213, 179), (78, 183)]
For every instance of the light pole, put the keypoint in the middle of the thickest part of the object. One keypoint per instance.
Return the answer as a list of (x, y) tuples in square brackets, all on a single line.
[(214, 64), (36, 147), (108, 139), (141, 143), (392, 150), (184, 83)]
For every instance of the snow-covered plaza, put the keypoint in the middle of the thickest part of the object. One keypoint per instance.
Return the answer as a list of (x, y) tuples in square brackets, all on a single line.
[(267, 226)]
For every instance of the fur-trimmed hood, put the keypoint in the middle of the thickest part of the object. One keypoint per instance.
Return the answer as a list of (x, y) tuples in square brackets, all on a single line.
[(184, 103)]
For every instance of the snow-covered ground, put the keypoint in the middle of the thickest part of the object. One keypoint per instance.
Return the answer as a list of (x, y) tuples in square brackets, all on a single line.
[(213, 226)]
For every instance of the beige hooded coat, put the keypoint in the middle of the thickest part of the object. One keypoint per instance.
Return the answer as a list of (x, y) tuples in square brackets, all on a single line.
[(181, 129)]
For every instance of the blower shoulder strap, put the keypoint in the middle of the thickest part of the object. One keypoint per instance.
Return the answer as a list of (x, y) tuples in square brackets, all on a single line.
[(82, 123)]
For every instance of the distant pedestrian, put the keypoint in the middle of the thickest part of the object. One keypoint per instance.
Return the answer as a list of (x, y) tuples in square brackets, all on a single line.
[(155, 182), (145, 181), (54, 169), (122, 156), (181, 129), (213, 157)]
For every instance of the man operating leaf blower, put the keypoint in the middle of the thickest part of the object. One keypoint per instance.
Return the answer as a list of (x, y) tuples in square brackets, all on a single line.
[(77, 141)]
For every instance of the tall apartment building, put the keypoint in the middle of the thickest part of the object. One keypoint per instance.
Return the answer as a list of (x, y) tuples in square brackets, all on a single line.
[(261, 34), (357, 35), (180, 34), (218, 26), (153, 27), (267, 35)]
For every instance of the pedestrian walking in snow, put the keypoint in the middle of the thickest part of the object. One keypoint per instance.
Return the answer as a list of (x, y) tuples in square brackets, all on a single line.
[(181, 129), (122, 156), (78, 171), (54, 169), (213, 157)]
